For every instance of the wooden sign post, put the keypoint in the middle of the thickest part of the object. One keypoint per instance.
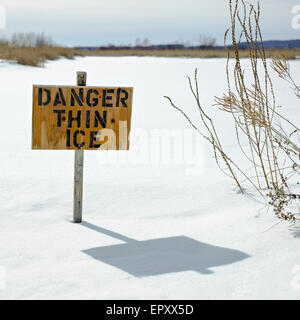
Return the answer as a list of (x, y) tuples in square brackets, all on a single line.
[(78, 168), (81, 118)]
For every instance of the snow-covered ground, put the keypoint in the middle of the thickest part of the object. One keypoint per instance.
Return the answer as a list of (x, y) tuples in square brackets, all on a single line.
[(154, 228)]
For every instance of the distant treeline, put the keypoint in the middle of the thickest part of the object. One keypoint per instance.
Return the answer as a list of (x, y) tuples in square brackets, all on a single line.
[(271, 44), (149, 47), (275, 44)]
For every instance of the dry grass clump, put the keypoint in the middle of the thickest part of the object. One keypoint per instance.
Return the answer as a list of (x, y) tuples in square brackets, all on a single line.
[(271, 142), (189, 53), (281, 66), (36, 56), (33, 49)]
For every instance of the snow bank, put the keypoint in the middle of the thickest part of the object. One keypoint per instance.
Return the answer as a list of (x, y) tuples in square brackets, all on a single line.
[(156, 225)]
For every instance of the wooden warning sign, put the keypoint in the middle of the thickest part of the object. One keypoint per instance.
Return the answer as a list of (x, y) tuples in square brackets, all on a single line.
[(86, 118)]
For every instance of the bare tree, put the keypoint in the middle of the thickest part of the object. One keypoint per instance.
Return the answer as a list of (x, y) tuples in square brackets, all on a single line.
[(205, 41)]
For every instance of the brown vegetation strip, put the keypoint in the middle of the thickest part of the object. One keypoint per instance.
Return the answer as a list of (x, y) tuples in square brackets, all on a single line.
[(36, 56)]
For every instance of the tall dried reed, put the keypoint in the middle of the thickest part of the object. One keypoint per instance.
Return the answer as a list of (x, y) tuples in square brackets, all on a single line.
[(272, 150)]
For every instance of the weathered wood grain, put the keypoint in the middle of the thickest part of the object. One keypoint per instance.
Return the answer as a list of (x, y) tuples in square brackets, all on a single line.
[(99, 115)]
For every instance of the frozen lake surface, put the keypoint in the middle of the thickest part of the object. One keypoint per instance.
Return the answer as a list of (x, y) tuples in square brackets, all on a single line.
[(158, 224)]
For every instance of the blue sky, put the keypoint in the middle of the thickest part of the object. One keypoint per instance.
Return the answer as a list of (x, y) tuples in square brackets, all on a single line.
[(96, 22)]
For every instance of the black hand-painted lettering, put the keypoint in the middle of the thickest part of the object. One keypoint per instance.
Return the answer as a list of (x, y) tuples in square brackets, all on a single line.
[(99, 119), (88, 119), (124, 98), (93, 138), (75, 138), (106, 98), (88, 97), (59, 113), (40, 97), (78, 97), (59, 98), (68, 138), (71, 119)]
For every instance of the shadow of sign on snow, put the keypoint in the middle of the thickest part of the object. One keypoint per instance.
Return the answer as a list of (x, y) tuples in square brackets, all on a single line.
[(296, 232), (160, 256)]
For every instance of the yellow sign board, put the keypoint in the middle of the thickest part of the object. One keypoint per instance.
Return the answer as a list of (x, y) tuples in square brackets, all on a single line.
[(87, 118)]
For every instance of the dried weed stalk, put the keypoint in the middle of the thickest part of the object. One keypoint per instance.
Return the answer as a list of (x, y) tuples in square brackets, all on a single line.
[(272, 149)]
